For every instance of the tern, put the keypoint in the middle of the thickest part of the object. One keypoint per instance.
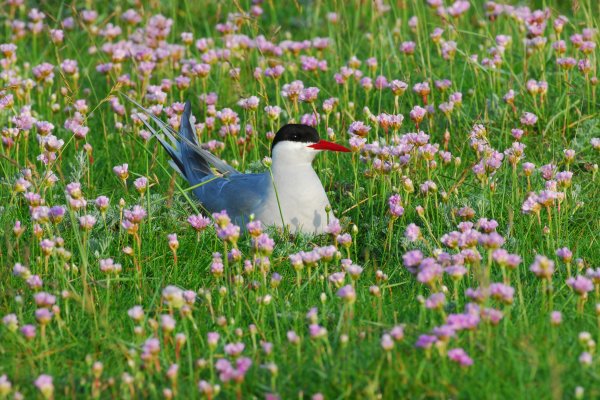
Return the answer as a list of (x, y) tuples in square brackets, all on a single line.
[(290, 195)]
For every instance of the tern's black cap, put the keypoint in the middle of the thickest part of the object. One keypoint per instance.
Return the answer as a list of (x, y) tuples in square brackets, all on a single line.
[(296, 133)]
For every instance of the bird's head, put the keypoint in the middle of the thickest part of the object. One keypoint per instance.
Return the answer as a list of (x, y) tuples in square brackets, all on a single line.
[(297, 143)]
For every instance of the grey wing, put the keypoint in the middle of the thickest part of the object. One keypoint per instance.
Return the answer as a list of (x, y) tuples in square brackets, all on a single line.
[(183, 147), (240, 195)]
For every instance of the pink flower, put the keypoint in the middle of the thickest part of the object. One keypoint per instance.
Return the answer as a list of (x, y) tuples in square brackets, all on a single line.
[(585, 358), (417, 114), (359, 128), (381, 82), (141, 184), (529, 119), (344, 240), (45, 386), (43, 316), (87, 222), (173, 242), (387, 343), (580, 285), (426, 341), (264, 244), (108, 266), (422, 89), (229, 372), (207, 389), (347, 293), (254, 228), (217, 267), (102, 203), (293, 337), (57, 36), (542, 267), (408, 48), (28, 331), (273, 112), (398, 87), (12, 323), (309, 95), (131, 17), (413, 232), (43, 72), (502, 292), (448, 49), (199, 222), (250, 103), (412, 260), (234, 349), (555, 318), (136, 313), (395, 204), (435, 301), (292, 91), (564, 254), (122, 171), (136, 214), (459, 356)]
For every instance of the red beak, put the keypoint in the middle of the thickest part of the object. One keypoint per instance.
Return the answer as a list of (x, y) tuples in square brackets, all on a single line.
[(325, 145)]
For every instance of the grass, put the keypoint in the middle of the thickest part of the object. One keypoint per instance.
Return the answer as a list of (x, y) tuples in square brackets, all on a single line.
[(92, 348)]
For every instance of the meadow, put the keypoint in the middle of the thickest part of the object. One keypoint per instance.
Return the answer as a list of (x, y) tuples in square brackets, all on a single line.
[(463, 257)]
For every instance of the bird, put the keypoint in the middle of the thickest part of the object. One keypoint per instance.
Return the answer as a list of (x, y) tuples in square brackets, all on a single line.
[(289, 195)]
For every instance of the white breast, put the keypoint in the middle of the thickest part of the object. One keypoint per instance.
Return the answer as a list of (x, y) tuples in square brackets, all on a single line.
[(302, 198)]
